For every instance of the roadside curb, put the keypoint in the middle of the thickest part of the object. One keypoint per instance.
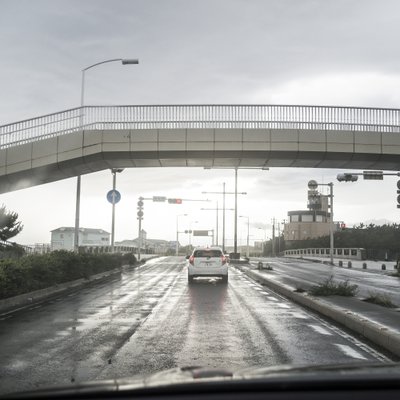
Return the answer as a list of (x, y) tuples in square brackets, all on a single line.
[(378, 334)]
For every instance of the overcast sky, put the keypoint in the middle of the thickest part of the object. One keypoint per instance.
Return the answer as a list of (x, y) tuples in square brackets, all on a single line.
[(239, 51)]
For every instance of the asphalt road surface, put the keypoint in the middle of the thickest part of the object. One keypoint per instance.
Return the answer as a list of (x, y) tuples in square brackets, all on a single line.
[(304, 274), (150, 319)]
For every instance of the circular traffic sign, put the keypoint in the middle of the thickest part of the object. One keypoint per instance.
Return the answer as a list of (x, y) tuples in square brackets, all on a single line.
[(113, 196), (140, 213), (140, 203)]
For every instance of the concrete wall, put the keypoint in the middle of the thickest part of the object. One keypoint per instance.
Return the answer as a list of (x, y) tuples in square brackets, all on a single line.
[(68, 155)]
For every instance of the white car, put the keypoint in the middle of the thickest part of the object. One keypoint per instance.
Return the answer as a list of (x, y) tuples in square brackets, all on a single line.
[(207, 261)]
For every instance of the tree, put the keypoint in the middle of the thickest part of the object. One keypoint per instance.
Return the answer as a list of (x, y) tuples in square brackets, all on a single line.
[(9, 224)]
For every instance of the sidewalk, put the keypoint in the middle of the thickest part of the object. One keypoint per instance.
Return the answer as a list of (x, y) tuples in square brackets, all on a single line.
[(378, 324)]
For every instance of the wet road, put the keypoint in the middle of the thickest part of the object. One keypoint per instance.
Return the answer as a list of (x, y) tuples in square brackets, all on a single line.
[(304, 274), (150, 320)]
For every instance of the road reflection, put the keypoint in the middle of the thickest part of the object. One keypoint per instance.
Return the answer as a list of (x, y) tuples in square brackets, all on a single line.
[(208, 297)]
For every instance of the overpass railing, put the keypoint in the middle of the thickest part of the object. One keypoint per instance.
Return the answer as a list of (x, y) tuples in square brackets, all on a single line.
[(327, 118)]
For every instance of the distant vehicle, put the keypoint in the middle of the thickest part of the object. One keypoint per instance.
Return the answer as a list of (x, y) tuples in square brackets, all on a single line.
[(206, 261)]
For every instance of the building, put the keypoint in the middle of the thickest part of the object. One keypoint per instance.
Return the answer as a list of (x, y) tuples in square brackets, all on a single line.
[(63, 238), (311, 223), (154, 246)]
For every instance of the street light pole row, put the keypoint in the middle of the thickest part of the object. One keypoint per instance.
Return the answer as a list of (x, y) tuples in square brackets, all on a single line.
[(224, 193)]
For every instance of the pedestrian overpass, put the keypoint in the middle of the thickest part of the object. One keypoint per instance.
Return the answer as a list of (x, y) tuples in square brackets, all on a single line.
[(93, 138)]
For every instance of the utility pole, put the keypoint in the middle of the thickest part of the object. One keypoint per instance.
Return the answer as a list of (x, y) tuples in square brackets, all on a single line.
[(273, 237), (279, 238)]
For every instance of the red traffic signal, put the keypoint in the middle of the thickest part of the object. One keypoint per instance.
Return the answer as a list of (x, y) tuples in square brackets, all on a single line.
[(175, 201)]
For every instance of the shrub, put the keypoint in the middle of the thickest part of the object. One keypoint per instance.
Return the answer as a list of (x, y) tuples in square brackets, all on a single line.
[(381, 300), (35, 272), (330, 288)]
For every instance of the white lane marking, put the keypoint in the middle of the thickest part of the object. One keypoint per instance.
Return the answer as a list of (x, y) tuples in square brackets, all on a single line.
[(320, 330), (282, 305), (350, 351), (299, 315)]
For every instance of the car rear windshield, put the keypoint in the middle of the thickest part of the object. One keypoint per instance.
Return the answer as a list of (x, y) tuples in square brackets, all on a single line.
[(207, 253)]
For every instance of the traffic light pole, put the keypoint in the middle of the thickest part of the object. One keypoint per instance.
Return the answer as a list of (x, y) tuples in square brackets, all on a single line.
[(331, 224), (140, 217), (140, 237)]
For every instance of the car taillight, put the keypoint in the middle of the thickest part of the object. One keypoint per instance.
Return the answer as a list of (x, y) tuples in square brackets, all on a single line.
[(191, 260), (223, 259)]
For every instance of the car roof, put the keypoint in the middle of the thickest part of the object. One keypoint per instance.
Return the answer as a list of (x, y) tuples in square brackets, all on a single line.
[(208, 248)]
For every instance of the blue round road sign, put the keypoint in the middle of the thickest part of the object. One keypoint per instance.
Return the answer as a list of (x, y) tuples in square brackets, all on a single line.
[(113, 196)]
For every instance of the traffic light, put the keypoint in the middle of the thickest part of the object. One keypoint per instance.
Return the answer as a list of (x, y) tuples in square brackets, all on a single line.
[(347, 177), (175, 201), (140, 209), (398, 194)]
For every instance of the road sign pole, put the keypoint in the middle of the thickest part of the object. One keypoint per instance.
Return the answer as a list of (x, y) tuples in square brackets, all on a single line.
[(113, 212)]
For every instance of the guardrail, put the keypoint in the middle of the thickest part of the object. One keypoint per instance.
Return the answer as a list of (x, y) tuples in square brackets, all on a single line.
[(344, 252), (201, 116)]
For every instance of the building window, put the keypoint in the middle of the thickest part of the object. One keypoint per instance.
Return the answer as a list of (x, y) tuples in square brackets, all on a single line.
[(307, 218), (294, 218), (319, 218)]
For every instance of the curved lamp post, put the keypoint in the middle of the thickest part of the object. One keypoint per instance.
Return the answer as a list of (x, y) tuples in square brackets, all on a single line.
[(124, 61)]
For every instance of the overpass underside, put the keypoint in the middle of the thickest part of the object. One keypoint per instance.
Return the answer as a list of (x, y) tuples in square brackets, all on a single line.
[(82, 152)]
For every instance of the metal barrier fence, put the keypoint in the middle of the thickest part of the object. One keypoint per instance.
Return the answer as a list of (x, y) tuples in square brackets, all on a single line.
[(344, 252), (221, 116), (7, 244)]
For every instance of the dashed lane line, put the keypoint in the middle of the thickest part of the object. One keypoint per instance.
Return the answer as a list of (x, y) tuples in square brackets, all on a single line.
[(321, 330), (349, 351)]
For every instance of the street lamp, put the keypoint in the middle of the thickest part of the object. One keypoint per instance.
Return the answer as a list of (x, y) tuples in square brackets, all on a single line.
[(265, 238), (235, 193), (177, 232), (114, 172), (224, 209), (248, 233), (312, 185), (124, 61), (190, 232), (217, 218)]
